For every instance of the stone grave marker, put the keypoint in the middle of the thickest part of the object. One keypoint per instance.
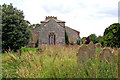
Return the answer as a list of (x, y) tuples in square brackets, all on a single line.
[(106, 54), (82, 54), (119, 51), (91, 49)]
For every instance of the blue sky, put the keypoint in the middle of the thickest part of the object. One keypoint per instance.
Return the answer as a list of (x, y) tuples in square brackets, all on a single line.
[(86, 16)]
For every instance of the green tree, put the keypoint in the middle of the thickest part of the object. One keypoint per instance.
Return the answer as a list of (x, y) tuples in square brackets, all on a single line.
[(15, 30), (111, 35), (93, 38), (101, 40)]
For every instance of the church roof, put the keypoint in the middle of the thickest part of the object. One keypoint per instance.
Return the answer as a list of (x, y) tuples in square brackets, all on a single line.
[(72, 29), (48, 18)]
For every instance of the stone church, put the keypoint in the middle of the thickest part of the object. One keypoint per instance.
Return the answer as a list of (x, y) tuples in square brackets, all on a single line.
[(51, 32)]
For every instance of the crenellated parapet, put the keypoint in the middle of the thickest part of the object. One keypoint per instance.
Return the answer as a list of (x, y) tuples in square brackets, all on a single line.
[(50, 17)]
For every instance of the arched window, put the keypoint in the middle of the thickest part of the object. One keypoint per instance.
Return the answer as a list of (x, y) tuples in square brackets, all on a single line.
[(51, 38)]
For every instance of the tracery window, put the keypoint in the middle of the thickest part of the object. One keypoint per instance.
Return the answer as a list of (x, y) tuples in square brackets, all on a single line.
[(52, 38)]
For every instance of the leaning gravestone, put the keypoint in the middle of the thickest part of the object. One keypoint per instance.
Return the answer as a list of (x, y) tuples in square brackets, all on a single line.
[(106, 54), (82, 55), (91, 49)]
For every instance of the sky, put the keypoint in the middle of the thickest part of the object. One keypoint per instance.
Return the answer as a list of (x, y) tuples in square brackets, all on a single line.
[(86, 16)]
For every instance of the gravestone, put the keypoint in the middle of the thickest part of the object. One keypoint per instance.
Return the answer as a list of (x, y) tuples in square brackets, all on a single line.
[(119, 53), (106, 54), (118, 50), (91, 49), (82, 54)]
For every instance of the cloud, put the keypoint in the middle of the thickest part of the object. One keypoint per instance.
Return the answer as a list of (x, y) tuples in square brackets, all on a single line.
[(86, 16), (58, 9)]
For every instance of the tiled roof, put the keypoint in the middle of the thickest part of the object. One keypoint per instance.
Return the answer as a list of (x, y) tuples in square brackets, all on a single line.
[(73, 29)]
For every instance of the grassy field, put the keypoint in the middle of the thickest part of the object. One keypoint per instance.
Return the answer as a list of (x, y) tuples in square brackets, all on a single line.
[(56, 62)]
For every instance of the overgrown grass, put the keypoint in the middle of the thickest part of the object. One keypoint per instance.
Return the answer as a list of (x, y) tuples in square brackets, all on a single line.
[(56, 62)]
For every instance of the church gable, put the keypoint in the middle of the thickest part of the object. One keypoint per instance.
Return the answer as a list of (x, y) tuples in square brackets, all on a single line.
[(73, 35), (48, 18), (48, 29), (52, 24)]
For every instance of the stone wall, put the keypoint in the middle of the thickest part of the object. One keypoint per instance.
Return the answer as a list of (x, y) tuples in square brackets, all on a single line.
[(51, 27), (62, 24), (73, 35)]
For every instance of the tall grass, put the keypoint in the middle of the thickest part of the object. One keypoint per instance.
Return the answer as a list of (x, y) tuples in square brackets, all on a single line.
[(56, 62)]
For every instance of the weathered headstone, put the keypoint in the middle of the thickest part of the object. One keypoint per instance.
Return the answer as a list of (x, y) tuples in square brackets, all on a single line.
[(106, 54), (118, 50), (82, 55), (91, 49), (119, 55)]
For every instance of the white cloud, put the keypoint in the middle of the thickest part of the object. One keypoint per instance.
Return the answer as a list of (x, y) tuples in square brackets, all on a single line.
[(86, 16)]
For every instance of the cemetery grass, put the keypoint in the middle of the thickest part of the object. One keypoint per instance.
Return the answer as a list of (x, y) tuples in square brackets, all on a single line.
[(56, 62)]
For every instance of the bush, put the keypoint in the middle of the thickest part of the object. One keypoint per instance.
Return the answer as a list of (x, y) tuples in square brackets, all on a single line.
[(36, 44), (66, 38)]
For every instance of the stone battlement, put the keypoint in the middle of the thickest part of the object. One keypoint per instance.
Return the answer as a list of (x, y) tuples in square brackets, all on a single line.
[(50, 17)]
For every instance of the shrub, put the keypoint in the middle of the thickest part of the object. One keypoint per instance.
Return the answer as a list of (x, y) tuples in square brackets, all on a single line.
[(78, 42), (66, 38), (36, 44)]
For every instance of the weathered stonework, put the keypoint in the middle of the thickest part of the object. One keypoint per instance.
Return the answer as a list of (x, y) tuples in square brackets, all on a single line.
[(51, 32), (51, 27), (73, 35)]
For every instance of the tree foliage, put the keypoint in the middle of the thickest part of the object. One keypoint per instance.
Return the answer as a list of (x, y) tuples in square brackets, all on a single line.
[(83, 40), (93, 38), (111, 35), (66, 38), (15, 32)]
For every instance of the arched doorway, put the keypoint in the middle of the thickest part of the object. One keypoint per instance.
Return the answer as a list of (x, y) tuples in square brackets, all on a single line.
[(52, 38)]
